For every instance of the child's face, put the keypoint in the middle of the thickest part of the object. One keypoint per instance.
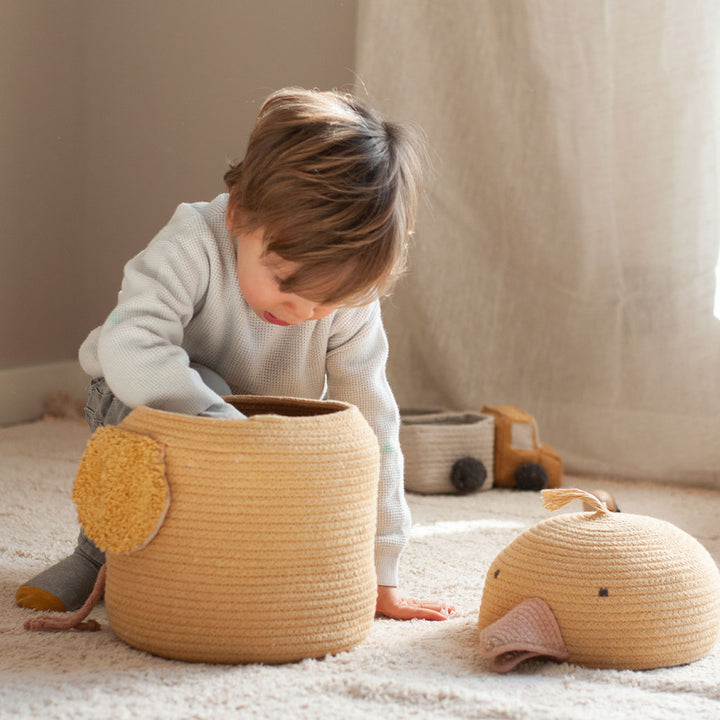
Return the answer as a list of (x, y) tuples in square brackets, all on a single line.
[(260, 276)]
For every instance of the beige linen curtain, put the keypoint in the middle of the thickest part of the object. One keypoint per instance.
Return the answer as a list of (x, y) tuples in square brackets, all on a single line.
[(565, 258)]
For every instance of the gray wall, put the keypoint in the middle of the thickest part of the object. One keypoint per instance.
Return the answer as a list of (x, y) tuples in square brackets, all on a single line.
[(113, 112)]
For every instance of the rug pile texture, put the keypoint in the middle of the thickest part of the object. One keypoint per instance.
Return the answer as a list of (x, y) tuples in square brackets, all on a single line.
[(412, 669)]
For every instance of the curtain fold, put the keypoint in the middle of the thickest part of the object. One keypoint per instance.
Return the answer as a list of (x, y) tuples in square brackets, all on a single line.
[(565, 258)]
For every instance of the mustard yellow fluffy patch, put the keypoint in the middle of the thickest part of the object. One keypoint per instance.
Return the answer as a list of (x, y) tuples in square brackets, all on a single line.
[(120, 489)]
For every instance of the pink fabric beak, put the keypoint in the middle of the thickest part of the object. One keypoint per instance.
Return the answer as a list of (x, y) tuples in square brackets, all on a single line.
[(529, 630)]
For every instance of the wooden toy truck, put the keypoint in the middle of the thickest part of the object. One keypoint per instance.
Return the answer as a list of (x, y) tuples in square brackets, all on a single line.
[(519, 452)]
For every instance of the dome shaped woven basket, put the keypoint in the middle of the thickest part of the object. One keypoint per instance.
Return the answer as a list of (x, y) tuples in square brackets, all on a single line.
[(627, 591), (265, 552)]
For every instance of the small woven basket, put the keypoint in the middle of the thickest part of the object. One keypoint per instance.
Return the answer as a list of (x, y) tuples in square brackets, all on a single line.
[(265, 553), (432, 441)]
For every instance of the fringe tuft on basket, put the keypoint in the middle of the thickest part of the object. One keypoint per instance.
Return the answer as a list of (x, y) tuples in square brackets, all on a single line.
[(560, 497)]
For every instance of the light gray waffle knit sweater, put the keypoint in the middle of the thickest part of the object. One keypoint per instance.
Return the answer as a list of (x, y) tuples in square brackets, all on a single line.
[(180, 302)]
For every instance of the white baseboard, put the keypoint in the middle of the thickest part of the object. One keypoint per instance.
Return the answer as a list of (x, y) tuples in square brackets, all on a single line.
[(24, 390)]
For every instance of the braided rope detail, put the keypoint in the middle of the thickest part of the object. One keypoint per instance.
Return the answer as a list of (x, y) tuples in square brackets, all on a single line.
[(75, 620)]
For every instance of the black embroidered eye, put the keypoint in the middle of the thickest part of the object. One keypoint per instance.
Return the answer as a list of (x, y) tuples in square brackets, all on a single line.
[(603, 592), (496, 573)]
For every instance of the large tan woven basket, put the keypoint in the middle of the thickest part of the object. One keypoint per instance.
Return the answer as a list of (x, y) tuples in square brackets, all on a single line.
[(264, 551)]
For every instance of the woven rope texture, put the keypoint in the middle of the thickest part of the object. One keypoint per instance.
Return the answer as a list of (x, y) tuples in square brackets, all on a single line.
[(628, 591), (266, 552)]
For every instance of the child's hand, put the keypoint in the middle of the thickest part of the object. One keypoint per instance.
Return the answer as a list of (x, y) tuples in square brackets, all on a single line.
[(391, 604)]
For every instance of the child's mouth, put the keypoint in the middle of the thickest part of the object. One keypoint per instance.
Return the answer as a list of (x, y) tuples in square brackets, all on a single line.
[(275, 321)]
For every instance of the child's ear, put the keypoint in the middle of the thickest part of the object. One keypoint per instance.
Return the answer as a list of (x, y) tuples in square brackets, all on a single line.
[(234, 215), (230, 220), (120, 490)]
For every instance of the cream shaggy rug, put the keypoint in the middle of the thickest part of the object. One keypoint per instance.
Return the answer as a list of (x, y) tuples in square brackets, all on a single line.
[(403, 670)]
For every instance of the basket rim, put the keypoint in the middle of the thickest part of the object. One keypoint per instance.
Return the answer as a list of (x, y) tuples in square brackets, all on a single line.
[(256, 408), (443, 418)]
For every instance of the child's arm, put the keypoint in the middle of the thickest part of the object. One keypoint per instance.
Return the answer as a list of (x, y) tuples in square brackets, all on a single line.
[(355, 365), (139, 348)]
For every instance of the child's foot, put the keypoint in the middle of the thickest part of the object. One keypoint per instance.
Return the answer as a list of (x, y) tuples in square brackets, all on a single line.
[(65, 586)]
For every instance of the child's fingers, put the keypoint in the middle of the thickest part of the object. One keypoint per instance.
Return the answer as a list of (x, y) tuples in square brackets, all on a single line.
[(428, 614), (429, 604), (426, 609)]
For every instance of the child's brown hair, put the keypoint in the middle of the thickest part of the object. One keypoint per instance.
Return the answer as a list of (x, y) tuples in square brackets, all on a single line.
[(335, 188)]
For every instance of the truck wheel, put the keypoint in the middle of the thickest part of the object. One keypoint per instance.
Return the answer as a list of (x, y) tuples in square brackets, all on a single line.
[(531, 476)]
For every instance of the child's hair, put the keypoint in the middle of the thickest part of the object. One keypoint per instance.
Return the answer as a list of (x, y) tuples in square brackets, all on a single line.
[(335, 189)]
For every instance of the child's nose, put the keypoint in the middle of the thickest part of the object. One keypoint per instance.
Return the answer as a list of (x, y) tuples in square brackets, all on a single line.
[(302, 309)]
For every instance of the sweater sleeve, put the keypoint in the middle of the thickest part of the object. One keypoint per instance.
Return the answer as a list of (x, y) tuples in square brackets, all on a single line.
[(356, 374), (139, 348)]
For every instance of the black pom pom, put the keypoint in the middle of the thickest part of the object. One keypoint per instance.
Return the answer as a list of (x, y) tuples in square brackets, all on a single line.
[(467, 475), (531, 476)]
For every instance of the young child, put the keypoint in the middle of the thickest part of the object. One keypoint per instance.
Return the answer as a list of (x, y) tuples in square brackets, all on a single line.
[(271, 289)]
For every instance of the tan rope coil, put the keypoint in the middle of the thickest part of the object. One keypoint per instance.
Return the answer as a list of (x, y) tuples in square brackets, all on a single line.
[(266, 550)]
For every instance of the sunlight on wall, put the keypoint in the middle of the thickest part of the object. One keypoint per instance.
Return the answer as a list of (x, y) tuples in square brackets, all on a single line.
[(716, 311)]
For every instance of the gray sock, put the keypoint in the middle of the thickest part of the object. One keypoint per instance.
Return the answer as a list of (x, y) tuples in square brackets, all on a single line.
[(72, 579)]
